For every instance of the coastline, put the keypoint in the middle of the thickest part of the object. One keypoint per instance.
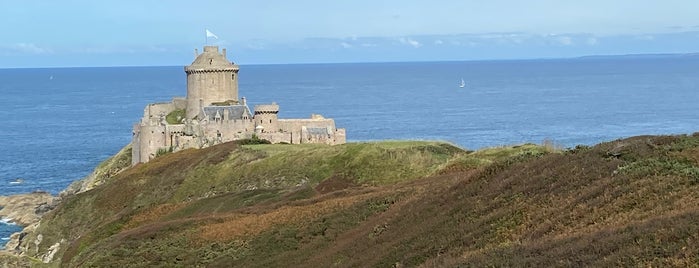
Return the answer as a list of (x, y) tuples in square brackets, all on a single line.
[(25, 210)]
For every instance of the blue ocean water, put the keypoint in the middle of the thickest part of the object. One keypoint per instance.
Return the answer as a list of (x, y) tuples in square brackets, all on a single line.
[(57, 124)]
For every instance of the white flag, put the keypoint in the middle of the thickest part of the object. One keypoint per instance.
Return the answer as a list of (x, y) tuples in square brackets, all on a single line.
[(210, 34)]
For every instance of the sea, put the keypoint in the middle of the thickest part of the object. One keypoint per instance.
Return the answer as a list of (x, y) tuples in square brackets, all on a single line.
[(57, 124)]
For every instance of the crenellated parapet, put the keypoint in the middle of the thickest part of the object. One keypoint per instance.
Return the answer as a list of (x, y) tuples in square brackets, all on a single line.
[(214, 114), (210, 78), (189, 71), (267, 108)]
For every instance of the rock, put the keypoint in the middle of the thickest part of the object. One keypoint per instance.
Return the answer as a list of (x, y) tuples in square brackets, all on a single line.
[(25, 209), (48, 257), (103, 172)]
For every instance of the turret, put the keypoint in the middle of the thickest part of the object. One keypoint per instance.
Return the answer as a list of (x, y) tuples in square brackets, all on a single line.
[(211, 78), (266, 116)]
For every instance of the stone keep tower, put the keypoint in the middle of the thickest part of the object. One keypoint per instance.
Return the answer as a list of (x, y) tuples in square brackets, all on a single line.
[(211, 78)]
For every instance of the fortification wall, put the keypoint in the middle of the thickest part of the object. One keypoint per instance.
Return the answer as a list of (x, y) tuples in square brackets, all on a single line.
[(228, 130), (211, 78), (136, 145), (180, 103), (149, 139), (277, 137), (155, 112), (296, 124), (296, 128)]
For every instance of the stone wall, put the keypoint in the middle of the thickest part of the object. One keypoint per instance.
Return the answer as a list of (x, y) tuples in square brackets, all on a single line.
[(266, 117), (156, 112), (180, 103), (147, 140), (211, 78)]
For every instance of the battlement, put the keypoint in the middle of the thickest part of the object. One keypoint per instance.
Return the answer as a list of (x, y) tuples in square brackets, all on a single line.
[(214, 114), (267, 108), (211, 61)]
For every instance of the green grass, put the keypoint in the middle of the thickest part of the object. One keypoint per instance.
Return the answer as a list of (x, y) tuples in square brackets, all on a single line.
[(274, 166), (176, 117), (629, 202)]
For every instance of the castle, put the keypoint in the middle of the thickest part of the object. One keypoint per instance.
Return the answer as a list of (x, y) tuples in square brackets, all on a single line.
[(212, 114)]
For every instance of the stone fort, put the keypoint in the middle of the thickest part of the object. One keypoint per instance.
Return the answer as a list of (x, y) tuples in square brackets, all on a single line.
[(211, 113)]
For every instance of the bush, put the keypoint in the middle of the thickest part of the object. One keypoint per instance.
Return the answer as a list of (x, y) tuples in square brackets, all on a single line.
[(253, 140), (163, 151)]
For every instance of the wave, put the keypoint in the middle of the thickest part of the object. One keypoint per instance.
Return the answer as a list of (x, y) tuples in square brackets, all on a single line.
[(7, 221)]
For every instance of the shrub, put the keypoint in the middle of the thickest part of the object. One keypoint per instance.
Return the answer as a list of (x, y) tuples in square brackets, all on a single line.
[(163, 151), (253, 140)]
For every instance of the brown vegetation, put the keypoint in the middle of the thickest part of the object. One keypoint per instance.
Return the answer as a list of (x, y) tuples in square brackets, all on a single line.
[(631, 202)]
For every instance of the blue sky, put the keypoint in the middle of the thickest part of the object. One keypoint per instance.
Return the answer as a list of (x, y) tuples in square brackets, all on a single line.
[(148, 32)]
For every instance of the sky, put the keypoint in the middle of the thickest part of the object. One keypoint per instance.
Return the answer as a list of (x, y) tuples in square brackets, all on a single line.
[(70, 33)]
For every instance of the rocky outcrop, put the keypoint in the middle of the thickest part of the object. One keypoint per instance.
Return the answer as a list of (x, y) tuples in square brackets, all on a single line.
[(25, 209), (107, 169)]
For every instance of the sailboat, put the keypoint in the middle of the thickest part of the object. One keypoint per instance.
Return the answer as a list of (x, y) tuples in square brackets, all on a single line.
[(463, 83)]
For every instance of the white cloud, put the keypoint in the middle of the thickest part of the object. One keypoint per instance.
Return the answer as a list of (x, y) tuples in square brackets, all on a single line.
[(645, 37), (565, 40), (256, 45), (345, 45), (592, 41), (106, 50), (368, 45), (29, 48), (438, 42), (409, 41)]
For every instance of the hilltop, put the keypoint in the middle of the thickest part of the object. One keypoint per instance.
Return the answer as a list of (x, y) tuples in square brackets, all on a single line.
[(630, 202)]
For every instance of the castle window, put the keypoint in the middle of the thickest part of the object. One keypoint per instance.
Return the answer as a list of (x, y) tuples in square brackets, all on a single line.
[(270, 121), (232, 76)]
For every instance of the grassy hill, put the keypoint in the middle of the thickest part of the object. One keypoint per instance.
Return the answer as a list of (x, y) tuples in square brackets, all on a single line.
[(632, 202)]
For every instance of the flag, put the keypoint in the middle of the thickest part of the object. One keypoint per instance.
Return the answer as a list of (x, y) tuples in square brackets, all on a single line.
[(210, 34)]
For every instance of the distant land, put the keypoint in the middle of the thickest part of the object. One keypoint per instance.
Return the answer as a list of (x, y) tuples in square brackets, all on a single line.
[(643, 56), (692, 55)]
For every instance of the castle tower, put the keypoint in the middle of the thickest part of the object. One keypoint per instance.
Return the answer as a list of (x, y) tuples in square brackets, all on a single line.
[(210, 78), (266, 116)]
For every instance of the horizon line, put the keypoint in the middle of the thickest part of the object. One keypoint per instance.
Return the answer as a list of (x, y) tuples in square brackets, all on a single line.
[(584, 57)]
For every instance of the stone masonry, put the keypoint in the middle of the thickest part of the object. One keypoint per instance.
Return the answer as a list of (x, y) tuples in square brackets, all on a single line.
[(212, 114)]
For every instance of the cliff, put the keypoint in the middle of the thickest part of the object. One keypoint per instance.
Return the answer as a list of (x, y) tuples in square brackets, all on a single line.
[(27, 209), (103, 172), (628, 202)]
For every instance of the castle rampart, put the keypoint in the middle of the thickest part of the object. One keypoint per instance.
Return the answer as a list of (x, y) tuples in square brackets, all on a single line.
[(214, 114)]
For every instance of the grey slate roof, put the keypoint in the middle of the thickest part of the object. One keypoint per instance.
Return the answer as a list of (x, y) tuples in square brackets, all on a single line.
[(211, 59), (234, 112)]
